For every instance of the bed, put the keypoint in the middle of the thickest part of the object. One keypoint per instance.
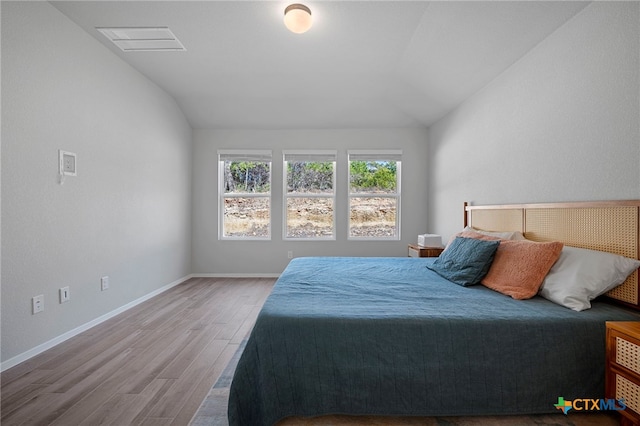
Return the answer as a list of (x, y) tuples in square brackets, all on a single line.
[(389, 336)]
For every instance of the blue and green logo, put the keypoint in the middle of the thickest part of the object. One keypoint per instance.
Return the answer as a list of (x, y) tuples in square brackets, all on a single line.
[(584, 404)]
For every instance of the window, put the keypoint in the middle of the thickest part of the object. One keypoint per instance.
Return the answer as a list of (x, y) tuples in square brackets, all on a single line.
[(309, 194), (374, 194), (244, 194)]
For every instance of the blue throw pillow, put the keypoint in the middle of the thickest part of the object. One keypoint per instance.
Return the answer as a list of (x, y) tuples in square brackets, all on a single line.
[(466, 261)]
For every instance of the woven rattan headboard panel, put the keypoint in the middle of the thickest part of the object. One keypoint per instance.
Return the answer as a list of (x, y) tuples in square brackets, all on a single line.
[(611, 226), (499, 220)]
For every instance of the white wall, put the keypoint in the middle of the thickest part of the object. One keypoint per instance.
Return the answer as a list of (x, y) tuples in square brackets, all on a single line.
[(126, 214), (562, 124), (211, 256)]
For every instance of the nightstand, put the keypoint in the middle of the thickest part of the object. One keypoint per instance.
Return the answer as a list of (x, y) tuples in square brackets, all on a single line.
[(419, 251), (622, 374)]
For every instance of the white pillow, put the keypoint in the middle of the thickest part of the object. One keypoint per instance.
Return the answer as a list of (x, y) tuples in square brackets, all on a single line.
[(580, 275), (515, 235)]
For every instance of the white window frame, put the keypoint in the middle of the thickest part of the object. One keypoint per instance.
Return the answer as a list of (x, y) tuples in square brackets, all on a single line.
[(311, 156), (375, 155), (243, 155)]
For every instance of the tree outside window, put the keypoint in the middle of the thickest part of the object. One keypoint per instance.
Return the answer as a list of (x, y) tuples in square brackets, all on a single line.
[(244, 194), (374, 194), (309, 199)]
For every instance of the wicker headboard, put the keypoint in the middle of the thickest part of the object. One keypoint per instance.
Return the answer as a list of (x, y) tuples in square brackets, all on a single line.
[(611, 226)]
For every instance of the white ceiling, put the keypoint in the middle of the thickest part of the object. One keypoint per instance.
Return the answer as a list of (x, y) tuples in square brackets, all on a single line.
[(362, 64)]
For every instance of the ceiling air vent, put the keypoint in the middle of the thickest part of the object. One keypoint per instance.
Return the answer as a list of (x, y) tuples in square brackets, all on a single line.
[(143, 39)]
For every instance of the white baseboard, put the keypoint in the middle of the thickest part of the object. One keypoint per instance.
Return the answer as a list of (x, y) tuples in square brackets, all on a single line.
[(69, 334), (240, 275)]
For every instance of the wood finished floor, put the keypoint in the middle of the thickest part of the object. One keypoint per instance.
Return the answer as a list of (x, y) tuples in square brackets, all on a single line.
[(151, 365)]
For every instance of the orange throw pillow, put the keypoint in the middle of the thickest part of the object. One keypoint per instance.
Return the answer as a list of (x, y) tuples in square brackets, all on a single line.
[(519, 267)]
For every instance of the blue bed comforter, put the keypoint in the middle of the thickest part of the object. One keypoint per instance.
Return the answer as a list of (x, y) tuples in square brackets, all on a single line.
[(387, 336)]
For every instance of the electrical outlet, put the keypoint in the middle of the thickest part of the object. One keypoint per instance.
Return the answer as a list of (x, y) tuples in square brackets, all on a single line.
[(67, 163), (104, 283), (65, 295), (289, 254), (37, 303)]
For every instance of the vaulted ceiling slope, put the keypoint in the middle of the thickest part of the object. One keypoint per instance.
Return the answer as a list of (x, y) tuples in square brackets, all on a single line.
[(362, 64)]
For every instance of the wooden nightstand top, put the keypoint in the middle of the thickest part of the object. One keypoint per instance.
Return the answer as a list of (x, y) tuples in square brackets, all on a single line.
[(628, 327), (419, 251)]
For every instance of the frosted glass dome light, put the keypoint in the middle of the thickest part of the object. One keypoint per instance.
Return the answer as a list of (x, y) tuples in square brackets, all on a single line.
[(297, 18)]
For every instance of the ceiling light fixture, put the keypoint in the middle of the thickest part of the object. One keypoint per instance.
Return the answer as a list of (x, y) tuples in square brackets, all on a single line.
[(297, 18)]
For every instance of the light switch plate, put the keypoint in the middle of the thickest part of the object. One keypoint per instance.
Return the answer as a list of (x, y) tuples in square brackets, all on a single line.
[(65, 294)]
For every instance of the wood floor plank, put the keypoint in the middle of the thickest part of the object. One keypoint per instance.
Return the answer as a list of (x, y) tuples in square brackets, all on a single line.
[(233, 325), (246, 327), (18, 400), (158, 421), (143, 414), (201, 390), (122, 408), (91, 358), (89, 373), (83, 398), (48, 404), (151, 368), (16, 386), (150, 365), (191, 351), (36, 407), (201, 369)]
